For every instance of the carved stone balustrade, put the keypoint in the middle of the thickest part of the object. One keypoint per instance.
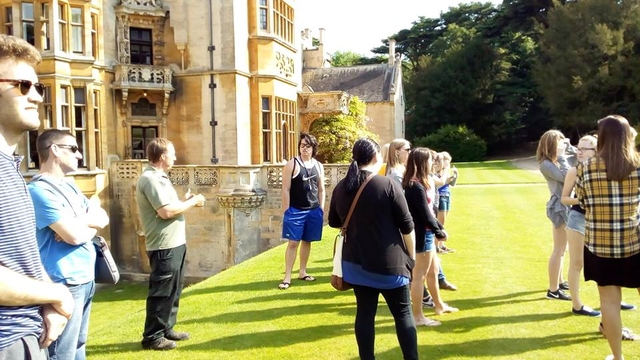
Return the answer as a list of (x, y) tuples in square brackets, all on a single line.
[(242, 200), (317, 104), (142, 7), (146, 78)]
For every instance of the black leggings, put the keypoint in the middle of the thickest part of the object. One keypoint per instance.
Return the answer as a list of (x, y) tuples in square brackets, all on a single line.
[(399, 302)]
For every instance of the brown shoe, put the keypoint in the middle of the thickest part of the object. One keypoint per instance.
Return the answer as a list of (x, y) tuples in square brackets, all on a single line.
[(161, 344), (177, 336), (445, 285)]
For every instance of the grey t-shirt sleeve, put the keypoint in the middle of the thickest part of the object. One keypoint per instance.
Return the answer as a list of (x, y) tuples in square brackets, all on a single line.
[(551, 171)]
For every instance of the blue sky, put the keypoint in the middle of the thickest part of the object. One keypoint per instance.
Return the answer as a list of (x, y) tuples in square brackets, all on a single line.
[(360, 25)]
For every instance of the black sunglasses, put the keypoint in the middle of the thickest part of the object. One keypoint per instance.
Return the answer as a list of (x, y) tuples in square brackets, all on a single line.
[(73, 148), (25, 86)]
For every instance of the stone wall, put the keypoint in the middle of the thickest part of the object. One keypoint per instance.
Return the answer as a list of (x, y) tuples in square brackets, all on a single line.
[(241, 218)]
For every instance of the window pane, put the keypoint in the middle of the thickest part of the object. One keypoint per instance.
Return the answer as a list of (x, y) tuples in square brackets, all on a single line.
[(81, 139), (8, 17), (76, 15), (27, 11), (80, 117), (79, 96), (76, 38)]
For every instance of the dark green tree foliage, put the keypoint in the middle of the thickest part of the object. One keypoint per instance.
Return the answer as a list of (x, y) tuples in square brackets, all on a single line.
[(589, 62), (336, 134), (460, 142)]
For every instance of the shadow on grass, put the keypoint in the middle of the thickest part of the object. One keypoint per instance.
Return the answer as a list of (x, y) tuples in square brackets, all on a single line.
[(127, 347), (492, 347), (253, 286), (269, 314), (498, 300)]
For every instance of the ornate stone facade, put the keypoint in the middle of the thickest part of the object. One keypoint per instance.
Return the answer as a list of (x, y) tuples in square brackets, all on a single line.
[(242, 217)]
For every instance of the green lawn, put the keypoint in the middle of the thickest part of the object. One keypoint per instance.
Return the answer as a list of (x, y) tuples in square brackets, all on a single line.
[(502, 240), (495, 172)]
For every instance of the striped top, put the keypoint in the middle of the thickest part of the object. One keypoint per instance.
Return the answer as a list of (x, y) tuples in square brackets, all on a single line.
[(611, 208), (18, 249)]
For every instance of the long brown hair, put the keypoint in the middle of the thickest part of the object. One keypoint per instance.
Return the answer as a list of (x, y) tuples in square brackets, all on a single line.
[(418, 167), (548, 146), (616, 147)]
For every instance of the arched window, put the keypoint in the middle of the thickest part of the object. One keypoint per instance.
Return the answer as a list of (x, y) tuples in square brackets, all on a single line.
[(143, 108)]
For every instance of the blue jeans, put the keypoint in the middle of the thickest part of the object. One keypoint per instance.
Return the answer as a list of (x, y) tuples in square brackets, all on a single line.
[(71, 344)]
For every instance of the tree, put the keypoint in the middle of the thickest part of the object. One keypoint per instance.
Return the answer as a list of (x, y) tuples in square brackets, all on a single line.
[(336, 134), (349, 58), (588, 65)]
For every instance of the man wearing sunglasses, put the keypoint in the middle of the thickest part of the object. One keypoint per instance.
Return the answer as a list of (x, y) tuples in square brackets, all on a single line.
[(33, 310), (66, 223)]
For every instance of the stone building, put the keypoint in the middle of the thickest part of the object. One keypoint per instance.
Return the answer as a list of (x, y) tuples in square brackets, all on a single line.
[(379, 86), (221, 79)]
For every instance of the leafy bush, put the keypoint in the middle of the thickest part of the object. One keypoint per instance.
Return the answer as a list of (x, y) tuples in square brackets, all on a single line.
[(336, 134), (459, 141)]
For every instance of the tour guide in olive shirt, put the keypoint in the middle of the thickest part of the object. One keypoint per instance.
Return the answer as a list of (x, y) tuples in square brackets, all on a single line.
[(162, 215)]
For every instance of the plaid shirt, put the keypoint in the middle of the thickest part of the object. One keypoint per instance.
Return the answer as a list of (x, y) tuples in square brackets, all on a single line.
[(612, 219)]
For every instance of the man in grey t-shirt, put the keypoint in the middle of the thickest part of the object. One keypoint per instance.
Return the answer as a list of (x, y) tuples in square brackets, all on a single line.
[(162, 216)]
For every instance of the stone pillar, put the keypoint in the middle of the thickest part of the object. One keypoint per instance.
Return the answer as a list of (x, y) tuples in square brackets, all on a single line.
[(242, 223)]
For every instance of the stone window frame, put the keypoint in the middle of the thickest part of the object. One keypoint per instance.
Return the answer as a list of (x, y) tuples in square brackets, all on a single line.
[(47, 38)]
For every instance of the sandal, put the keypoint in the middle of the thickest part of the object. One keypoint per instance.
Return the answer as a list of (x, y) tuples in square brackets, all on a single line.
[(284, 285), (307, 278), (627, 334), (428, 322), (446, 309)]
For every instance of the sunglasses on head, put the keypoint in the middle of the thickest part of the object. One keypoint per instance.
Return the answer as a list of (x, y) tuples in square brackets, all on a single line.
[(25, 86)]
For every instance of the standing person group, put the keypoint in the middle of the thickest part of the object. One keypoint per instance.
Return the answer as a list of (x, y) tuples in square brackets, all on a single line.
[(378, 255), (33, 310)]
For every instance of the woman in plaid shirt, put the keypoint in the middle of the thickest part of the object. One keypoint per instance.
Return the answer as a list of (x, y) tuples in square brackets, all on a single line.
[(608, 188)]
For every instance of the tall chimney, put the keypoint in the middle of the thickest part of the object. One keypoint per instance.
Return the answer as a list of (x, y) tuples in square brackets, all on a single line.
[(320, 32), (392, 52)]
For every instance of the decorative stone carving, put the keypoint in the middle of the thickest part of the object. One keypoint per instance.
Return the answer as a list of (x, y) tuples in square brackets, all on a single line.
[(327, 177), (207, 177), (274, 177), (126, 18), (127, 170), (285, 64), (179, 176), (144, 77), (143, 3), (242, 200), (342, 173)]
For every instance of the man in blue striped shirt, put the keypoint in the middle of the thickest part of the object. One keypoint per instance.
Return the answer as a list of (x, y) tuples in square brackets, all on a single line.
[(33, 310)]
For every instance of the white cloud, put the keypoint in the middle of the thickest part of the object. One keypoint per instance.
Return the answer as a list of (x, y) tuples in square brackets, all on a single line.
[(360, 25)]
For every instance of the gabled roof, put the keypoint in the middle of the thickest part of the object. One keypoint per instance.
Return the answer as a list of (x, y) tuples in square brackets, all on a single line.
[(370, 83)]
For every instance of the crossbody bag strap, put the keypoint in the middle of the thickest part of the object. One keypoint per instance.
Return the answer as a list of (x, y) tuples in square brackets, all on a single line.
[(353, 204), (58, 189)]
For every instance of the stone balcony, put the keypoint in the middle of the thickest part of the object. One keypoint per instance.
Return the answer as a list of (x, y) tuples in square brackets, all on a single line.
[(143, 78)]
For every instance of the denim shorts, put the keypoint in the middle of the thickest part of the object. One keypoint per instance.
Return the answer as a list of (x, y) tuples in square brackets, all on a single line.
[(576, 221), (445, 202), (428, 245)]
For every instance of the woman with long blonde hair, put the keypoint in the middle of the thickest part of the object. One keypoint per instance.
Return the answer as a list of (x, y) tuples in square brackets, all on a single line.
[(553, 153), (575, 227)]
